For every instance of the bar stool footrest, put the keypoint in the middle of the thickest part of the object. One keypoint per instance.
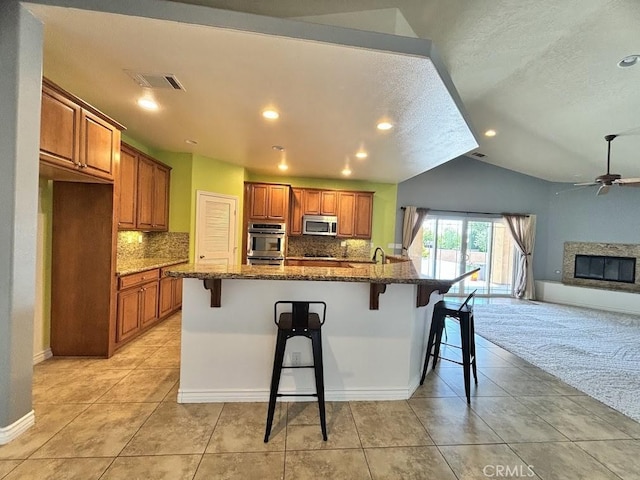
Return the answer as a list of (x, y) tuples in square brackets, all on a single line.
[(296, 394)]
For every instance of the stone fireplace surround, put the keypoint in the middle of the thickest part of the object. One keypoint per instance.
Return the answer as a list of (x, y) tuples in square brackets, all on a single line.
[(571, 249)]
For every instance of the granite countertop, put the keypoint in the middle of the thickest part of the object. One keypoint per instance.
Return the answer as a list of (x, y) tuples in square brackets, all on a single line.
[(402, 272), (336, 259), (136, 265)]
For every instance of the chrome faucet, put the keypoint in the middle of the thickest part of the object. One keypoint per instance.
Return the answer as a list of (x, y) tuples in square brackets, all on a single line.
[(375, 255)]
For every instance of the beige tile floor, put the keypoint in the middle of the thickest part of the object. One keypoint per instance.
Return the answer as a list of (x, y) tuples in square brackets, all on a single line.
[(118, 419)]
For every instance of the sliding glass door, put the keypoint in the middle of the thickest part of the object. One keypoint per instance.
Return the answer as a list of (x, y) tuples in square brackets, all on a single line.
[(453, 245)]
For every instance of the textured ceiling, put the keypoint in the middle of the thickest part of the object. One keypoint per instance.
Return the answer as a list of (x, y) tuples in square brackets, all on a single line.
[(542, 73), (330, 96)]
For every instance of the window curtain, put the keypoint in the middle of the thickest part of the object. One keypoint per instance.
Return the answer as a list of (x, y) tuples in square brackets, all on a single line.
[(523, 231), (411, 223)]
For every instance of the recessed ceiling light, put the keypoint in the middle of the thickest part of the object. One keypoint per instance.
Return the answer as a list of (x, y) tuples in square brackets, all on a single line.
[(283, 166), (346, 171), (278, 148), (629, 61), (384, 126), (270, 114), (148, 103), (191, 142), (490, 133), (362, 154)]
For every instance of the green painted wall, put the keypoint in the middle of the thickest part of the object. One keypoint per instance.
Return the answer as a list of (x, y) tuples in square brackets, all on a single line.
[(135, 143), (384, 200), (216, 176), (190, 173)]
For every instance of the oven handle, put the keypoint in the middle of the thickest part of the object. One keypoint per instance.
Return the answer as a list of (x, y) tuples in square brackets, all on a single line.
[(266, 232)]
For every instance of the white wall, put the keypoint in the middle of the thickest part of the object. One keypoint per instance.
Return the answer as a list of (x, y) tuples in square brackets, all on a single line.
[(227, 352), (20, 87)]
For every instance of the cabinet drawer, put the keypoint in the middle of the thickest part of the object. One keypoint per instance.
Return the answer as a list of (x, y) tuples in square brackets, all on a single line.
[(138, 278)]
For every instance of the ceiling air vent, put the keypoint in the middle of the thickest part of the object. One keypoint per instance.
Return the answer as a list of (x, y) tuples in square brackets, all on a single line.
[(156, 80), (478, 154)]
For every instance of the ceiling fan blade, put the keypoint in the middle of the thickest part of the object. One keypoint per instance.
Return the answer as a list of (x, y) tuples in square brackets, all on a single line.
[(578, 187), (628, 182), (603, 190), (585, 184)]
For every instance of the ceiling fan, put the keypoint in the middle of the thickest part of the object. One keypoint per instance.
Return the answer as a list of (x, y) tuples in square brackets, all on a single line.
[(605, 181)]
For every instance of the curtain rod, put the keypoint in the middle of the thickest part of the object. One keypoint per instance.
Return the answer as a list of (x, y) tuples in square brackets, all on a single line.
[(474, 213)]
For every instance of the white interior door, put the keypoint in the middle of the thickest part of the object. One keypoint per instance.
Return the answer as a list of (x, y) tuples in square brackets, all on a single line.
[(216, 221)]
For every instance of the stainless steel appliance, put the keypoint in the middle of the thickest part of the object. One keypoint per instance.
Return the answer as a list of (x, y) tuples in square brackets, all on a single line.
[(265, 243), (320, 225)]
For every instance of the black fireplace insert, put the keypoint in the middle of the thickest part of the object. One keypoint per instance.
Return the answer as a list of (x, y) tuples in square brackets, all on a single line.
[(611, 269)]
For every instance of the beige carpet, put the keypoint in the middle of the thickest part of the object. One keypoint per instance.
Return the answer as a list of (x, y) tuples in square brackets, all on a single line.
[(594, 351)]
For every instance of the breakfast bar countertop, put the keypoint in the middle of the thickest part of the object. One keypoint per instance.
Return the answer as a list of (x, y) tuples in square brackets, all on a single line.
[(401, 272), (336, 259), (136, 265)]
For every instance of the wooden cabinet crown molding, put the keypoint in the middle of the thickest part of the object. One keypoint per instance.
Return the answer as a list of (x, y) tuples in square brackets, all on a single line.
[(81, 103)]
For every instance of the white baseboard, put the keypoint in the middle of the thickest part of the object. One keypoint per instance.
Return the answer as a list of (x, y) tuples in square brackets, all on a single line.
[(218, 396), (18, 427), (600, 299), (42, 356)]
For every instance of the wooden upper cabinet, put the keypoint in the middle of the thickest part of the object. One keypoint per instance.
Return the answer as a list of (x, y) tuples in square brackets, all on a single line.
[(99, 147), (363, 215), (268, 201), (328, 202), (278, 202), (128, 189), (160, 210), (320, 202), (346, 213), (145, 194), (355, 210), (59, 129), (295, 207), (312, 200), (259, 204), (77, 142)]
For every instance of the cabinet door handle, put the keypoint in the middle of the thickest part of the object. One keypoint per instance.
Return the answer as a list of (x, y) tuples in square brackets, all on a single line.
[(201, 256)]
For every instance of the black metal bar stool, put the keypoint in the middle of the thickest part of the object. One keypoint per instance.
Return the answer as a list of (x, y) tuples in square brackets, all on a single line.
[(298, 322), (464, 314)]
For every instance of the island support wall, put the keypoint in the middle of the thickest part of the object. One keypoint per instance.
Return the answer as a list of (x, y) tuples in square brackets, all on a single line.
[(227, 352)]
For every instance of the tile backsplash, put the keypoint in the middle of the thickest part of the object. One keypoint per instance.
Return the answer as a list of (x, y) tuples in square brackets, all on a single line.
[(134, 245), (328, 246)]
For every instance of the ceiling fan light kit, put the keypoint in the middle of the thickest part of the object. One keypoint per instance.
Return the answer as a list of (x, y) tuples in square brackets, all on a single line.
[(608, 179)]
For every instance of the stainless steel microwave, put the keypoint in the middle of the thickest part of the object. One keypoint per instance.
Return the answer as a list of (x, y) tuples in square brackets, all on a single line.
[(320, 225)]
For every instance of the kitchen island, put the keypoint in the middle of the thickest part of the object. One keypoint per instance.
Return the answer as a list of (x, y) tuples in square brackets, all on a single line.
[(373, 339)]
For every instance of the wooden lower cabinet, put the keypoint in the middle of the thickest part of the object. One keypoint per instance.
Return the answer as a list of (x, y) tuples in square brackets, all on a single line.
[(128, 322), (137, 309), (170, 295), (149, 304), (144, 299)]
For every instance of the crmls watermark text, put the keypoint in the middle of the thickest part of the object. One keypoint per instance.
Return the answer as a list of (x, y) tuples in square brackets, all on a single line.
[(508, 471)]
